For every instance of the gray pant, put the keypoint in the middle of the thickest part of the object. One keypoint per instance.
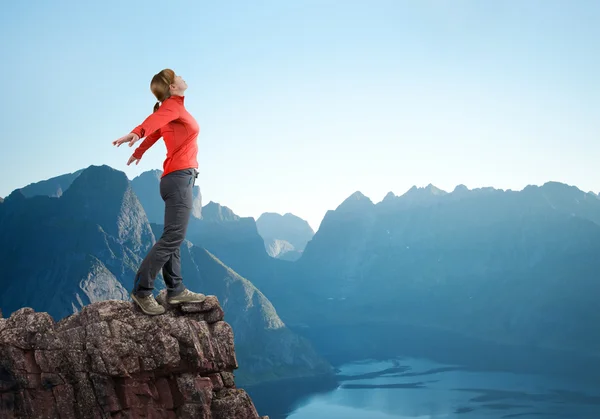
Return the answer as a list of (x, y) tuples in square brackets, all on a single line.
[(176, 189)]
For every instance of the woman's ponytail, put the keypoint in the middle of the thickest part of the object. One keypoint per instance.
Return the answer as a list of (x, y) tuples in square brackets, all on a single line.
[(161, 85)]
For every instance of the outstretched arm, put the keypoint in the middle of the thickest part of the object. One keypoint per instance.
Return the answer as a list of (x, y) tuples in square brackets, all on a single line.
[(146, 144), (169, 111)]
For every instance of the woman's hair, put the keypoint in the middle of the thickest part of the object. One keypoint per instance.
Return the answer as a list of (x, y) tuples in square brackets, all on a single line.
[(160, 86)]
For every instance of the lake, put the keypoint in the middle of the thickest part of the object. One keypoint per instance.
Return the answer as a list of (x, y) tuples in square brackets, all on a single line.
[(423, 389)]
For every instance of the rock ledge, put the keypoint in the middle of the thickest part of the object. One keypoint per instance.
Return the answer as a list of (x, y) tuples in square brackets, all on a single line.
[(110, 360)]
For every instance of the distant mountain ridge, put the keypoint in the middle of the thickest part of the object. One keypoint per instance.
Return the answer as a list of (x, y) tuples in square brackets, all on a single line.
[(53, 187), (73, 250), (516, 268), (510, 267), (431, 192), (558, 196), (146, 186), (215, 212), (233, 239), (285, 236)]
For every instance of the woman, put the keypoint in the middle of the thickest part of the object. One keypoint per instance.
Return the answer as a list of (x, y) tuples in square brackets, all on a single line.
[(179, 129)]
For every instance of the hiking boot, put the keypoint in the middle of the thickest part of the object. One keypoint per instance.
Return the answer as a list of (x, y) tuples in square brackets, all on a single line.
[(148, 304), (186, 296)]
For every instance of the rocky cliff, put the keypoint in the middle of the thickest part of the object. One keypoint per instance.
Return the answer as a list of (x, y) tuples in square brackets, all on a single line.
[(112, 361)]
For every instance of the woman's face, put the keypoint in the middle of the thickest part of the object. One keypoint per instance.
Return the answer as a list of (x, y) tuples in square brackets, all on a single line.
[(179, 85)]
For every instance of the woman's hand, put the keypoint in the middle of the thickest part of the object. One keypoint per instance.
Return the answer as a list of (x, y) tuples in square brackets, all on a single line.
[(130, 138), (133, 159)]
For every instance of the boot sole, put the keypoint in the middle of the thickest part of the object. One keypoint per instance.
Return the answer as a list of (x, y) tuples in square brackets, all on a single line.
[(175, 302), (133, 297)]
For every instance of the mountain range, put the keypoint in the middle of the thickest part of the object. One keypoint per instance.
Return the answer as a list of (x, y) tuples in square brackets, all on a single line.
[(67, 251), (439, 272), (516, 268)]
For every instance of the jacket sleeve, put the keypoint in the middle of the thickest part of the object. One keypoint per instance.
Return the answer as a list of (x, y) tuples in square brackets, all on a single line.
[(168, 111), (146, 144)]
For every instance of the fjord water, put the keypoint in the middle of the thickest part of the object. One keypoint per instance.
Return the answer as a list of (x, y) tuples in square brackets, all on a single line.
[(419, 388)]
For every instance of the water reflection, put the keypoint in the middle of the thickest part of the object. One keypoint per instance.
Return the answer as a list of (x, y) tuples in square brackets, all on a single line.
[(279, 399), (397, 389)]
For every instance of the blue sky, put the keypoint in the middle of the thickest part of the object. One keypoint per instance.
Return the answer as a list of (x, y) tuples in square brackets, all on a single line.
[(301, 103)]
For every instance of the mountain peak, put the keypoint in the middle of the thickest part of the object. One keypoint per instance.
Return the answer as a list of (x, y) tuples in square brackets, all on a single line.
[(428, 191), (358, 195), (460, 189), (99, 186), (389, 197), (277, 217), (16, 195), (101, 177), (149, 174), (555, 183), (289, 215), (560, 187), (104, 196), (556, 190), (355, 202), (214, 211), (434, 190), (270, 215)]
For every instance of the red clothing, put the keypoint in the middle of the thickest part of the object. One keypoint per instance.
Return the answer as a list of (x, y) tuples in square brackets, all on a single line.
[(179, 130)]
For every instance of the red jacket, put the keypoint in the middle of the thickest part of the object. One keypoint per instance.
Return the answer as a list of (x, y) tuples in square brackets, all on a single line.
[(179, 130)]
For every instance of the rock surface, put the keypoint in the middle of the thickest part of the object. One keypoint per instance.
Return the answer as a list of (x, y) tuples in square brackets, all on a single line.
[(112, 361)]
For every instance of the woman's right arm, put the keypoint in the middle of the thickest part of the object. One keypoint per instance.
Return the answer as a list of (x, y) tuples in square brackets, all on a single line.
[(168, 111)]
